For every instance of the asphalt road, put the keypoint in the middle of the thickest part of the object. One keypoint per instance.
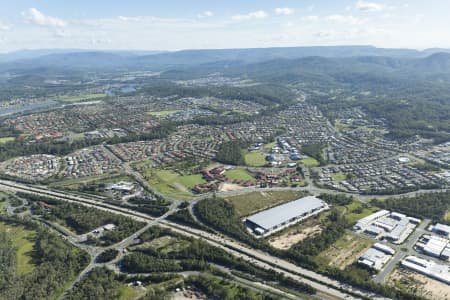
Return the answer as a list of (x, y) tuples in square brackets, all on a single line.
[(320, 282)]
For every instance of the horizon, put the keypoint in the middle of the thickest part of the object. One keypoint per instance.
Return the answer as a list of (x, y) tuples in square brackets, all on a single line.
[(75, 50), (176, 25)]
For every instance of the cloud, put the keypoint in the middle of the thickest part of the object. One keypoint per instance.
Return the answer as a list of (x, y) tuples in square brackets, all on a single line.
[(310, 18), (4, 27), (369, 6), (205, 14), (284, 11), (342, 19), (34, 16), (259, 14)]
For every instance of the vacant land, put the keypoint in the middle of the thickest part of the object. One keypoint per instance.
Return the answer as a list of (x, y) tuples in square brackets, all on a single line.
[(422, 285), (310, 162), (239, 174), (255, 159), (163, 113), (173, 184), (81, 97), (357, 210), (8, 139), (345, 251), (130, 293), (23, 240), (252, 202), (292, 237)]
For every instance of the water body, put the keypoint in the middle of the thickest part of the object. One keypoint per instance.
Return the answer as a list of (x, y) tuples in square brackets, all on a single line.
[(27, 108)]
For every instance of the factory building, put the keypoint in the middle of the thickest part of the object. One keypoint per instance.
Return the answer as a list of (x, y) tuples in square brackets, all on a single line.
[(434, 246), (374, 258), (441, 229), (279, 217), (392, 226), (428, 268)]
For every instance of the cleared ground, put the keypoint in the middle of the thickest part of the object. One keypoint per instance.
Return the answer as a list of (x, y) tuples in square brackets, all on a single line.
[(239, 174), (292, 237), (163, 113), (23, 239), (252, 202), (422, 285), (345, 251), (255, 159)]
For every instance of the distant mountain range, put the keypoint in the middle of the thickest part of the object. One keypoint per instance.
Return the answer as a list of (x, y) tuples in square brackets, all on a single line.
[(292, 59)]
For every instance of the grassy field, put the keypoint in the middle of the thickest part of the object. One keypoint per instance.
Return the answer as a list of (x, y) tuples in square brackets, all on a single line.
[(338, 177), (238, 174), (173, 184), (23, 240), (163, 113), (255, 159), (81, 97), (168, 244), (356, 211), (128, 293), (248, 203), (309, 162), (344, 252), (5, 140)]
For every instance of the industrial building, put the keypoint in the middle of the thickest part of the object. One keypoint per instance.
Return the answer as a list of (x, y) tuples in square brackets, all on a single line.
[(429, 268), (384, 224), (278, 217), (441, 229), (376, 257), (434, 246)]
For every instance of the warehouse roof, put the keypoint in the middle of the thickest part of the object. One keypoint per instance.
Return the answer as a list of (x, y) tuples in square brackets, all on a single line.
[(285, 212)]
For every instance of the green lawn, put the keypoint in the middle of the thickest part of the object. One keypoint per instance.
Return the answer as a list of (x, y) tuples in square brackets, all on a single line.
[(23, 240), (246, 204), (255, 159), (239, 174), (8, 139), (163, 113), (310, 162), (338, 177), (81, 97), (172, 184)]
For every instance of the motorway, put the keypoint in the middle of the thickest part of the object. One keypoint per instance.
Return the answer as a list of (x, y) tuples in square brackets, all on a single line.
[(322, 283)]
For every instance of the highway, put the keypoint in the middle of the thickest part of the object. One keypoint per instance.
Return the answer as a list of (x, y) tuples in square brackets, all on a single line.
[(320, 282)]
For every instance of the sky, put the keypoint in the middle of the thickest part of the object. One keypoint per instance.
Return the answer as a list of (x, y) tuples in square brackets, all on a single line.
[(201, 24)]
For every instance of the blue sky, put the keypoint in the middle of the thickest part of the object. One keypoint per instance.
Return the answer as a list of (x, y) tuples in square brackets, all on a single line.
[(177, 24)]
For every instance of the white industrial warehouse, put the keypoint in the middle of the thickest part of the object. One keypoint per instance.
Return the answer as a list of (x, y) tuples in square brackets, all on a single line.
[(429, 268), (279, 217), (377, 256), (434, 246), (391, 226)]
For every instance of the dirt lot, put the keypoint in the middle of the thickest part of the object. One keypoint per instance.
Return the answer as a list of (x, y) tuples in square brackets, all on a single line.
[(226, 187), (188, 295), (345, 251), (291, 238), (421, 284)]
